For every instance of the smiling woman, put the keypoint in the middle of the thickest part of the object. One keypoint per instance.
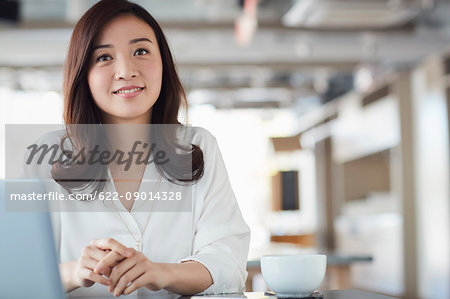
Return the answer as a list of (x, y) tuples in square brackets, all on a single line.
[(125, 71), (100, 42), (119, 72)]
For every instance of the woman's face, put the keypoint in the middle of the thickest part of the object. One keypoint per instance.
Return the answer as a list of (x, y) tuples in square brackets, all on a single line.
[(125, 72)]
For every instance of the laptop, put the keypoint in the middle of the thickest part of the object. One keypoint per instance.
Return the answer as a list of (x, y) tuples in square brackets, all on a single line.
[(28, 259)]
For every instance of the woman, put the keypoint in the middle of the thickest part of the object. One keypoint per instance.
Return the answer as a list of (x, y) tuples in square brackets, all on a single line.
[(119, 71)]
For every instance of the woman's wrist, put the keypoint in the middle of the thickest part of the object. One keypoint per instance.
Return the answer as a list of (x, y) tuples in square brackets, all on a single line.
[(68, 277), (168, 275), (186, 278)]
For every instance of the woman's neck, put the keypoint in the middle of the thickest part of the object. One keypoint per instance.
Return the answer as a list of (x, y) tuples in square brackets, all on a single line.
[(124, 136), (123, 133)]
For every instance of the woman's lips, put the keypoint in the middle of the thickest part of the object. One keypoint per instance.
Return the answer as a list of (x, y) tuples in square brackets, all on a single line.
[(128, 92)]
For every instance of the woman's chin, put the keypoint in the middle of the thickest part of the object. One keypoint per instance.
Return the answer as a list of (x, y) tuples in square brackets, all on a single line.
[(127, 117)]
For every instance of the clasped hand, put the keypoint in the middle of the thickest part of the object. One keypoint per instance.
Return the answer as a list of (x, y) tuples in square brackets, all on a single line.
[(122, 269)]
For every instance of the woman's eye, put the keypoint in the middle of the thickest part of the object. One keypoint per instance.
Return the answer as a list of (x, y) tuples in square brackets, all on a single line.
[(102, 58), (140, 52)]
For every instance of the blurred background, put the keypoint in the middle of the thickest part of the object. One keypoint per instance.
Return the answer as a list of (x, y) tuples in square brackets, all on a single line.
[(332, 117)]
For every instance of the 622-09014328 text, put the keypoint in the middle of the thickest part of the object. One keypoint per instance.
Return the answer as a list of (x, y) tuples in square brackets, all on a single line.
[(107, 196), (160, 195)]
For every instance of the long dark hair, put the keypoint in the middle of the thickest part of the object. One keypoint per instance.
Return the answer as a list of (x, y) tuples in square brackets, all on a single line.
[(80, 108)]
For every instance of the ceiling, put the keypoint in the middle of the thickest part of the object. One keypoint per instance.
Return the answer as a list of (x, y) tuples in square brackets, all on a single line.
[(295, 44)]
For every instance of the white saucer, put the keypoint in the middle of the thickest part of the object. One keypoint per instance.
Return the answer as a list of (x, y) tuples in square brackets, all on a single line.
[(315, 294)]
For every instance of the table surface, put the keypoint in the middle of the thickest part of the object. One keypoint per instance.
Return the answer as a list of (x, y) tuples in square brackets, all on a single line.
[(334, 294)]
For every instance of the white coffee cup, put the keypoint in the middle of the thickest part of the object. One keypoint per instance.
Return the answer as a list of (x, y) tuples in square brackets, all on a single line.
[(294, 275)]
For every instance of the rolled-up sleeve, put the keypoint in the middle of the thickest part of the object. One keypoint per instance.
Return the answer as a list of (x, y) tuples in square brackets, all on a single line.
[(221, 236)]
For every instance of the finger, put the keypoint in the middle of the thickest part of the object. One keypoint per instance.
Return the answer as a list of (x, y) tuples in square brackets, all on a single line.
[(97, 253), (113, 245), (127, 278), (106, 272), (108, 262), (93, 253), (135, 284), (90, 275), (88, 262), (92, 257), (119, 270)]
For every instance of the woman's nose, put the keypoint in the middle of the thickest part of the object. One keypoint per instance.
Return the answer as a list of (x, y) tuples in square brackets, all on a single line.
[(125, 69)]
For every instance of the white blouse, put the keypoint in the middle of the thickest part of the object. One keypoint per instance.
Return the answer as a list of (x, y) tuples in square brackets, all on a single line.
[(211, 231)]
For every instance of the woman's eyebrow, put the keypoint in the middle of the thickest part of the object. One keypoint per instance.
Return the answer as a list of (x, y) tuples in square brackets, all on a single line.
[(136, 40), (102, 46), (133, 41)]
